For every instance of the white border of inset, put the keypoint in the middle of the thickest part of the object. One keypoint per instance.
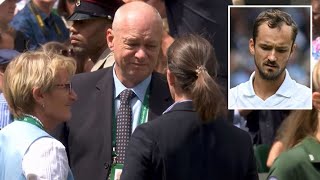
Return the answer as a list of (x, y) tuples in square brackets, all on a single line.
[(310, 51)]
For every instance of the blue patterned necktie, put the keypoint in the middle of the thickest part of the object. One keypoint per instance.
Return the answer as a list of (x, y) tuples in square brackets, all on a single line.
[(124, 124)]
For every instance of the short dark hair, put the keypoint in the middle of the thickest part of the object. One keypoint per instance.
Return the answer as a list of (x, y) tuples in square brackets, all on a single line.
[(275, 19)]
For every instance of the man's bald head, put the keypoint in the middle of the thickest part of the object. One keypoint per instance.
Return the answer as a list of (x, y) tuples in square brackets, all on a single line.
[(136, 11), (135, 39)]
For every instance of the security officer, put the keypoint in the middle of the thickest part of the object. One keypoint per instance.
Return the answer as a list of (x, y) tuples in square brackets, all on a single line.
[(91, 19)]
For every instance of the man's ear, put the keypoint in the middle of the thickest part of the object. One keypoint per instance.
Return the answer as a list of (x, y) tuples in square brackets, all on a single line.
[(38, 95), (251, 46), (293, 49), (110, 38), (316, 100)]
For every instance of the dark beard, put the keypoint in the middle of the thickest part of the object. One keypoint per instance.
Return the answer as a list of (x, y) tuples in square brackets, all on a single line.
[(269, 76)]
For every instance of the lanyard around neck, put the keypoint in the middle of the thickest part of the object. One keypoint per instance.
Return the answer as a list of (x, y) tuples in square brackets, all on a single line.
[(40, 22), (32, 120)]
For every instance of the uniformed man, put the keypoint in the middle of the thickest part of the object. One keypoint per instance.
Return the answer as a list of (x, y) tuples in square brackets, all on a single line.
[(91, 19)]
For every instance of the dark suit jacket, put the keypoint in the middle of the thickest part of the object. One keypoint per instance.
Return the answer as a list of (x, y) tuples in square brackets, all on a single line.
[(178, 145), (206, 17), (88, 136)]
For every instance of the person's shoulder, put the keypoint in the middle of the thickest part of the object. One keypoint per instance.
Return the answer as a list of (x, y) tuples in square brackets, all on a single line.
[(168, 123), (288, 163), (302, 96), (158, 77), (48, 142), (236, 94), (240, 89), (302, 89), (21, 18), (24, 10), (156, 125), (95, 75), (291, 157), (222, 126), (241, 86), (159, 89), (145, 131)]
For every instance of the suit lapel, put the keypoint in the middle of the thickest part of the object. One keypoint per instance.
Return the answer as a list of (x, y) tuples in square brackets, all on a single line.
[(105, 90), (160, 98)]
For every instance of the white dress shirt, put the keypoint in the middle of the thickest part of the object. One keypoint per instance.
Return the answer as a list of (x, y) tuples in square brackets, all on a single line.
[(290, 95), (46, 159)]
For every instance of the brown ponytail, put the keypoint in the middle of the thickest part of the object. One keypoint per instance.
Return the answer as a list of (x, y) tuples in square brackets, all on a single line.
[(188, 60)]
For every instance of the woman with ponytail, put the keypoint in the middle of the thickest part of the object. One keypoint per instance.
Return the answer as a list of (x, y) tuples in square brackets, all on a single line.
[(191, 140)]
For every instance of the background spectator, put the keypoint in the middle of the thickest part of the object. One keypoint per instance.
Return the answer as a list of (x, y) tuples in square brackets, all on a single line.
[(39, 24), (65, 9), (7, 9), (6, 55)]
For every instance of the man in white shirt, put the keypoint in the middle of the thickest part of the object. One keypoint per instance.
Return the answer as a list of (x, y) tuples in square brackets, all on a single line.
[(270, 85)]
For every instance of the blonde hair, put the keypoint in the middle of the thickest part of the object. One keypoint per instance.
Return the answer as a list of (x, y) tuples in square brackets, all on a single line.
[(30, 70), (301, 123)]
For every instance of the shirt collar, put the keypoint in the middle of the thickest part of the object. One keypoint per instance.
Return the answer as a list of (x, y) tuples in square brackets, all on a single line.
[(284, 90), (249, 91), (170, 107), (139, 90)]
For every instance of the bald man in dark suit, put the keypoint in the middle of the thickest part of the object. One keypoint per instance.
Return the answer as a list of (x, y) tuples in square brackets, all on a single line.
[(135, 40)]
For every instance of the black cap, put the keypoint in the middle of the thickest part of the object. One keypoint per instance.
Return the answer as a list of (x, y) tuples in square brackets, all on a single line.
[(90, 9)]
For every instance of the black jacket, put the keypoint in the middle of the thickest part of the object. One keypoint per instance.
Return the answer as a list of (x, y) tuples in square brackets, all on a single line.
[(177, 145)]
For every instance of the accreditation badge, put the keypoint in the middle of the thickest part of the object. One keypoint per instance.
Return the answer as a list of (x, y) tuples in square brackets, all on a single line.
[(116, 171)]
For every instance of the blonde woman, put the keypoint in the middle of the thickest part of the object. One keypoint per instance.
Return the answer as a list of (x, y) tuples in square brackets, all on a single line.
[(39, 93)]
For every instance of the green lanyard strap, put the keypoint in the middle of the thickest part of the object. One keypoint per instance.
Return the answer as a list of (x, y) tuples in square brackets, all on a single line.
[(32, 120)]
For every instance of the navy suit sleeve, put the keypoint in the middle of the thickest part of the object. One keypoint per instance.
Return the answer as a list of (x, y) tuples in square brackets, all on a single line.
[(138, 161)]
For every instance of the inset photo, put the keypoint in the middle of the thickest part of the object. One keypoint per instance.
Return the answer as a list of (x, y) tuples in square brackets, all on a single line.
[(269, 57)]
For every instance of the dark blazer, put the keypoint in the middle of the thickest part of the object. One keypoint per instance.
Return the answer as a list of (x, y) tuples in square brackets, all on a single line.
[(88, 136), (206, 17), (178, 145)]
